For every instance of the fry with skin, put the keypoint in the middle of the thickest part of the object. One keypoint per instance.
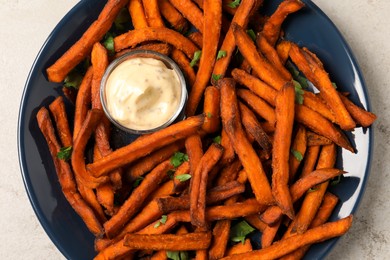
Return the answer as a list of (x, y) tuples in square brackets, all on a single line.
[(328, 204), (272, 27), (253, 126), (145, 145), (360, 115), (152, 13), (271, 55), (199, 184), (240, 248), (191, 12), (57, 108), (299, 145), (241, 17), (314, 139), (212, 21), (211, 110), (137, 14), (175, 19), (197, 38), (266, 71), (231, 123), (258, 105), (321, 126), (136, 199), (190, 241), (320, 78), (135, 37), (184, 63), (146, 164), (284, 110), (288, 245), (257, 86), (82, 48)]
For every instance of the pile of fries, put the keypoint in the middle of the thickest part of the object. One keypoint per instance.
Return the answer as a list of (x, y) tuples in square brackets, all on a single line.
[(256, 151)]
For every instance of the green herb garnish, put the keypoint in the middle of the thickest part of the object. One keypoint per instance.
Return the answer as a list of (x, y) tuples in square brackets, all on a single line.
[(234, 4), (209, 115), (239, 231), (297, 155), (178, 158), (183, 177), (336, 180), (221, 54), (178, 255), (217, 139), (251, 34), (109, 43), (73, 80), (196, 58), (298, 92), (163, 220), (216, 77), (65, 153), (137, 181)]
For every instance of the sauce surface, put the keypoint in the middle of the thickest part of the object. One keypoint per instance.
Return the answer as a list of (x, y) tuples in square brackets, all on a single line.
[(142, 93)]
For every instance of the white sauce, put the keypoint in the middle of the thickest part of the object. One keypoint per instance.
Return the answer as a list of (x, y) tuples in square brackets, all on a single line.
[(142, 93)]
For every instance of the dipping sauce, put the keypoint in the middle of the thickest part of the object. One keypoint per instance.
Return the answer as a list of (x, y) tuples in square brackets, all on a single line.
[(142, 93)]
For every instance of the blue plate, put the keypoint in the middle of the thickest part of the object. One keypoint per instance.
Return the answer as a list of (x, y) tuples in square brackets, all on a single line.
[(309, 27)]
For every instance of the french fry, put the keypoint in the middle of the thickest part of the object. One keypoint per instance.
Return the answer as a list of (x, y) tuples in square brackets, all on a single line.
[(283, 49), (212, 22), (199, 184), (266, 71), (65, 175), (190, 11), (241, 17), (193, 145), (82, 48), (174, 18), (135, 37), (240, 248), (197, 38), (136, 199), (145, 145), (317, 104), (319, 77), (257, 86), (229, 173), (182, 61), (249, 159), (288, 245), (253, 126), (311, 157), (272, 26), (298, 150), (162, 48), (269, 233), (152, 13), (211, 110), (228, 150), (57, 108), (322, 126), (220, 239), (191, 241), (137, 14), (284, 110), (360, 115), (323, 214), (258, 105), (314, 139), (254, 220)]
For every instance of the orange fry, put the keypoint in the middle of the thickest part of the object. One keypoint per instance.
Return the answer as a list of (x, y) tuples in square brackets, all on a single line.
[(240, 248), (220, 239), (57, 108), (298, 150), (175, 19), (182, 61), (283, 49), (211, 110), (152, 13), (314, 139), (137, 14), (82, 48), (190, 11), (360, 115), (197, 38)]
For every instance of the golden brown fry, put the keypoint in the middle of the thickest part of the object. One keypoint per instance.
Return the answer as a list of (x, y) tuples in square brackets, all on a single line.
[(190, 11), (145, 145), (137, 14), (360, 115), (240, 248), (220, 239), (272, 26), (284, 110), (254, 220), (146, 164), (253, 126), (285, 246), (317, 104), (163, 48), (314, 139), (321, 126), (194, 150), (257, 86), (298, 150), (199, 184), (135, 37), (152, 13), (184, 63), (65, 175), (174, 18), (311, 157), (57, 108), (136, 199), (266, 71), (211, 110), (82, 48), (197, 38), (258, 105), (283, 49), (269, 233), (228, 150), (323, 214), (229, 173), (212, 21), (241, 17), (231, 123), (320, 78)]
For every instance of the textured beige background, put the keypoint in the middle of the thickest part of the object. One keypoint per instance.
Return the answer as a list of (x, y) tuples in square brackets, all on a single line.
[(24, 26)]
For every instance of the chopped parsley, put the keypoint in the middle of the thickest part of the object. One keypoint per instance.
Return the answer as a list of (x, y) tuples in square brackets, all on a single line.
[(137, 181), (65, 153), (196, 58), (221, 54), (163, 220), (239, 231), (234, 4), (251, 34), (217, 139), (216, 77), (73, 80), (298, 92), (109, 43), (183, 177), (178, 158), (297, 155), (178, 255)]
